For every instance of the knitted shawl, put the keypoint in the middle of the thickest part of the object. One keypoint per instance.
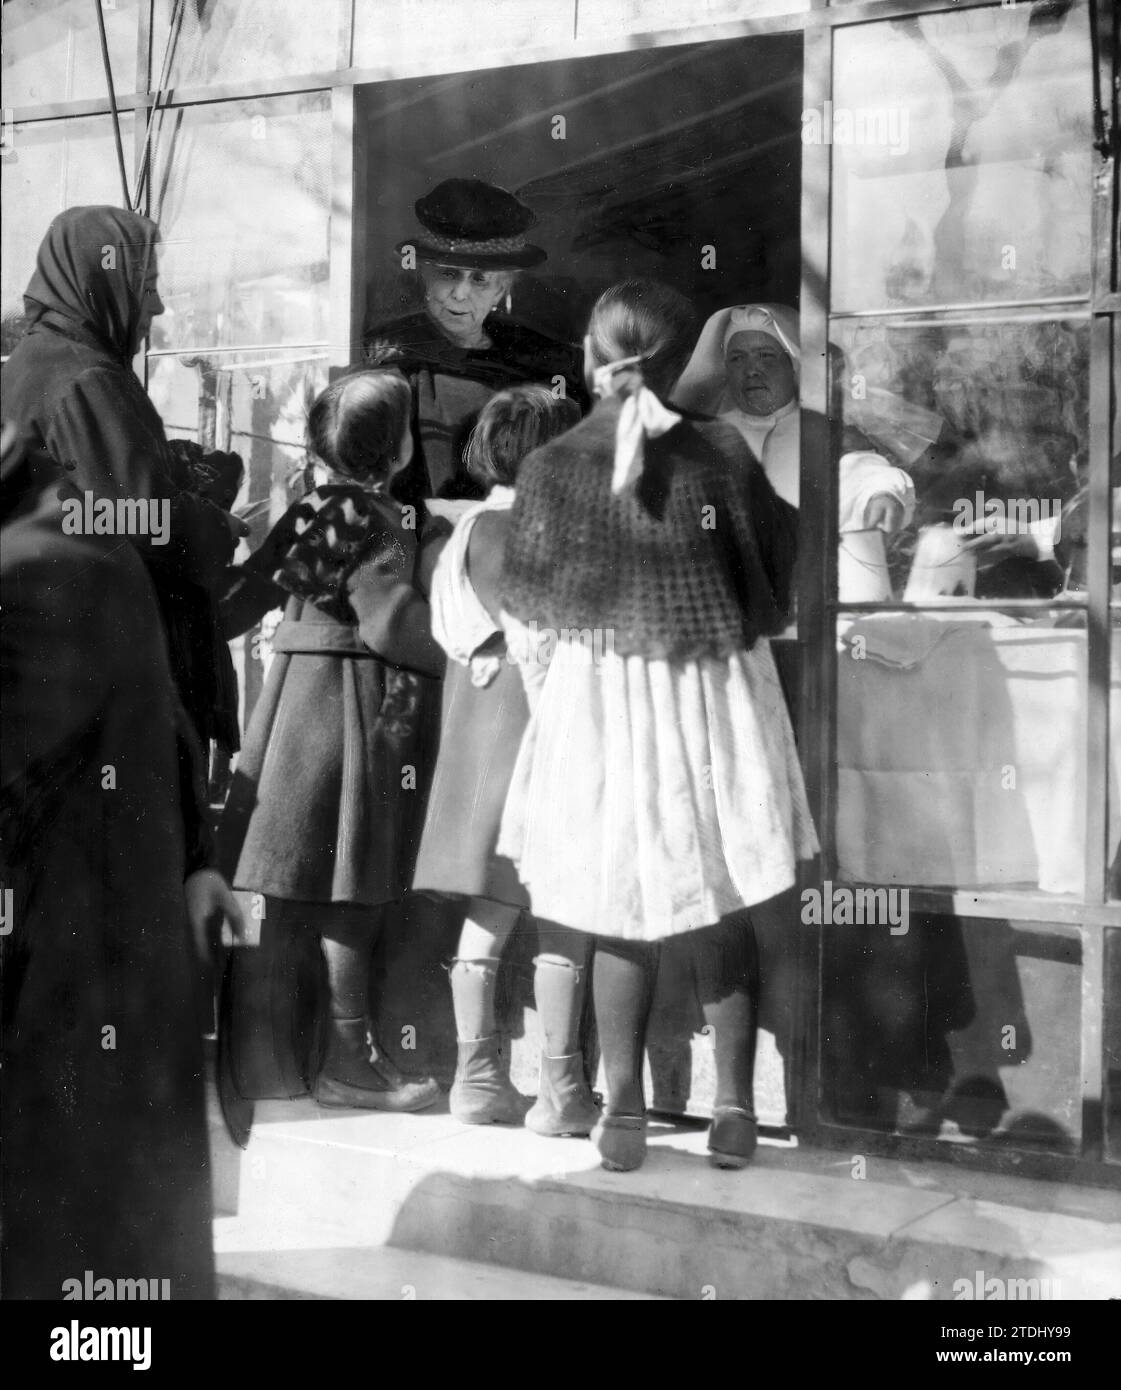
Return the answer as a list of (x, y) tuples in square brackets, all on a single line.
[(695, 559)]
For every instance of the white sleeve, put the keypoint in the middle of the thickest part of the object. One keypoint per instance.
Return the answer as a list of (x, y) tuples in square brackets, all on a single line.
[(864, 476)]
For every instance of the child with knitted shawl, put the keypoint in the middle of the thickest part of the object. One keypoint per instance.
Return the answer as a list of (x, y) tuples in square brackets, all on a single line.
[(657, 792)]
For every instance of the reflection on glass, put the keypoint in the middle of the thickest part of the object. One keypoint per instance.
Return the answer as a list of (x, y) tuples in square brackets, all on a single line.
[(961, 740), (253, 403), (1112, 1046), (962, 157), (989, 421), (256, 405), (1113, 844), (52, 50), (410, 31), (960, 1029), (54, 165), (235, 41), (252, 267)]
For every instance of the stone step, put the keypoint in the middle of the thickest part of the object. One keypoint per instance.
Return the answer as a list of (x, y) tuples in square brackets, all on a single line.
[(796, 1224), (260, 1259)]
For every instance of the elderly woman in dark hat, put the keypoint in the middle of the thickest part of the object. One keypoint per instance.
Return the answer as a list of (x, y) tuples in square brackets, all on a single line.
[(459, 349)]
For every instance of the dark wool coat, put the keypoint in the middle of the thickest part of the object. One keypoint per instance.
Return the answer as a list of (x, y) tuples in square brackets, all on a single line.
[(328, 799), (70, 388), (104, 1138), (451, 385)]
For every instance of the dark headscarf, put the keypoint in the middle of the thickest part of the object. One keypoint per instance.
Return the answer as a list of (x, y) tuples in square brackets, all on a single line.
[(90, 271)]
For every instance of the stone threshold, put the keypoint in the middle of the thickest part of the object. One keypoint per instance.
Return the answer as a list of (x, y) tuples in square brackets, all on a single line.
[(797, 1224)]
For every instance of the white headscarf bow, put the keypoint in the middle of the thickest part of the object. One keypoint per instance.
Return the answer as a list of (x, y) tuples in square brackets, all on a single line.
[(643, 416)]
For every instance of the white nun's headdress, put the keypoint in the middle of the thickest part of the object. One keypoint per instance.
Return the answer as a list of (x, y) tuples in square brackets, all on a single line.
[(702, 383), (902, 428)]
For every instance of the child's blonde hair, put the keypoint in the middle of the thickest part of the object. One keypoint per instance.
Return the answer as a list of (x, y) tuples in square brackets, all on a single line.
[(512, 424)]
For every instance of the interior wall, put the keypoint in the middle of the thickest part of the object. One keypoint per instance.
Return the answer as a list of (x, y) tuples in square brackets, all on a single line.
[(635, 164)]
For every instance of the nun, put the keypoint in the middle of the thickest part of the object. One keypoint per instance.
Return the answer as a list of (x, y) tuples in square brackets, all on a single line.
[(745, 369)]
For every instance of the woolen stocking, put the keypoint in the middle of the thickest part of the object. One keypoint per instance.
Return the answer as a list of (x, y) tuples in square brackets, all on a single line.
[(623, 978)]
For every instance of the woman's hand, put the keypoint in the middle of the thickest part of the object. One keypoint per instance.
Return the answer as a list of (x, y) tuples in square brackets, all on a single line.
[(991, 547), (238, 528), (210, 905)]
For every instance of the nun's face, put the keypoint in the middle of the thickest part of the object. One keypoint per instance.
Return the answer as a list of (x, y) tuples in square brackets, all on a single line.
[(458, 298), (759, 371)]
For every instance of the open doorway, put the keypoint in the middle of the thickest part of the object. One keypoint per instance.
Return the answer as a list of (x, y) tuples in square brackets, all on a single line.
[(678, 164)]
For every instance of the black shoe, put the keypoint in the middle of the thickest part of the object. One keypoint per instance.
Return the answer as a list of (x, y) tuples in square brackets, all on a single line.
[(356, 1076)]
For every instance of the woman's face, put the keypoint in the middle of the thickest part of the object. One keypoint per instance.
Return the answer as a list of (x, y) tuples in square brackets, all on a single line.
[(458, 298), (760, 373), (151, 305)]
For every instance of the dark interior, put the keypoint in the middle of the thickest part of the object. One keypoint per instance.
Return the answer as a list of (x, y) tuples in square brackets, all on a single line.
[(665, 152)]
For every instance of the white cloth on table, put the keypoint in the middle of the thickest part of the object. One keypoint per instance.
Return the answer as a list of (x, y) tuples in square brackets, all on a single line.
[(966, 768), (653, 797), (903, 641)]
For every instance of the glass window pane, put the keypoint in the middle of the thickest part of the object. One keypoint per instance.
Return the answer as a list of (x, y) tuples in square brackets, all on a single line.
[(962, 158), (1078, 547), (52, 50), (961, 743), (249, 268), (53, 165), (1113, 842), (598, 17), (396, 32), (254, 403), (989, 423), (961, 1028), (228, 41), (1112, 1047)]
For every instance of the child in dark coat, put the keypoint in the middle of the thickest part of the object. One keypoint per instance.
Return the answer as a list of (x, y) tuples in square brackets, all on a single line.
[(327, 805)]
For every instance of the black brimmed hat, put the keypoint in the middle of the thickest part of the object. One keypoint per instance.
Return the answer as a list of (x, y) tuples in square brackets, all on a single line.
[(471, 223)]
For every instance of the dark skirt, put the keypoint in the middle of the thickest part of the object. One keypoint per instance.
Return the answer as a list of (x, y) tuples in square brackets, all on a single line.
[(328, 799), (481, 734)]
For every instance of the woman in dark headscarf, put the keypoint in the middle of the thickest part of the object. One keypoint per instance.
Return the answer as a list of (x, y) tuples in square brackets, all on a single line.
[(70, 389), (459, 350)]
